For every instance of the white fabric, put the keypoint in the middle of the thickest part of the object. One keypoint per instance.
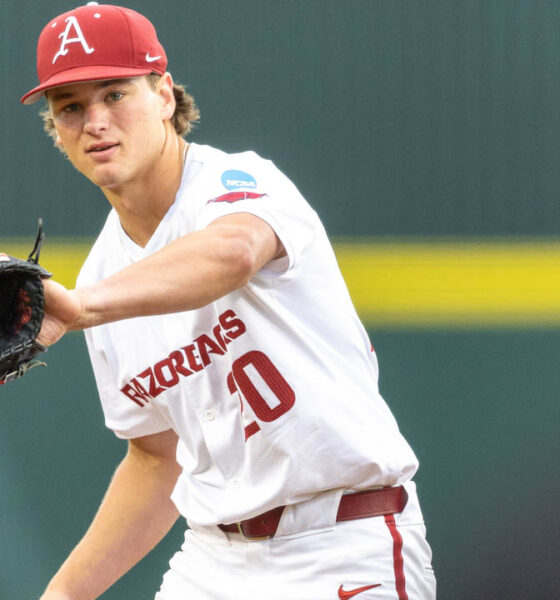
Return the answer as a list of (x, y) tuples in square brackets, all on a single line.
[(310, 516), (353, 554), (288, 348)]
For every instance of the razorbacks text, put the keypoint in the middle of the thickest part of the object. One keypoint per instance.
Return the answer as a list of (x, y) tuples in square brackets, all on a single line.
[(184, 361)]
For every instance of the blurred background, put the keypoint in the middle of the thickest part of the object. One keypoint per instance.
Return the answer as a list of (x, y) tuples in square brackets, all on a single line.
[(426, 134)]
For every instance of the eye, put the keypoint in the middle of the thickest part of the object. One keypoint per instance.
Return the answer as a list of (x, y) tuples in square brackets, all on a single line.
[(115, 96), (70, 108)]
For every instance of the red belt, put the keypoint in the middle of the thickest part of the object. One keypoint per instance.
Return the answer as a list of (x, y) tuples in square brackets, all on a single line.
[(359, 505)]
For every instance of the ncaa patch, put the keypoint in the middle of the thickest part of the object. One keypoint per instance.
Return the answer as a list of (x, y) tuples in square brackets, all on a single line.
[(233, 180), (236, 196)]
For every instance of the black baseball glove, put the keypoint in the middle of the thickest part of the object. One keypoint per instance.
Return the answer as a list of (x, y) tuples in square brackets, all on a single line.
[(21, 311)]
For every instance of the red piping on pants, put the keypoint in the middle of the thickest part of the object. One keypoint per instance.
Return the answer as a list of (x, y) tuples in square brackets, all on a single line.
[(397, 557)]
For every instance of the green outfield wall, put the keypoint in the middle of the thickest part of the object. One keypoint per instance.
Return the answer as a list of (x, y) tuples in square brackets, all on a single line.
[(426, 134), (415, 117)]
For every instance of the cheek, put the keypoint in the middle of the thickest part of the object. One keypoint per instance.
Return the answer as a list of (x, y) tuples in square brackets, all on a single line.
[(64, 141), (146, 125), (66, 134)]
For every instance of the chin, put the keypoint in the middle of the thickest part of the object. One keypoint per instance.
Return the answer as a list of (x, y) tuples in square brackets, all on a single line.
[(105, 178)]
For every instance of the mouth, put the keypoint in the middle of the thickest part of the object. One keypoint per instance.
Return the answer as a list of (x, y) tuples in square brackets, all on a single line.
[(100, 148)]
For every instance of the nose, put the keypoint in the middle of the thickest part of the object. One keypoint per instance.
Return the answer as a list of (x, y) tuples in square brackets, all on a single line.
[(96, 119)]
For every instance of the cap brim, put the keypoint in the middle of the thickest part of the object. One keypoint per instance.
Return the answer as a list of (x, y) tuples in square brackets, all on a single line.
[(82, 75)]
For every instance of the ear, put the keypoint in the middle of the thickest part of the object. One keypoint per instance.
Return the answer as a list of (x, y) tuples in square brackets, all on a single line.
[(166, 97)]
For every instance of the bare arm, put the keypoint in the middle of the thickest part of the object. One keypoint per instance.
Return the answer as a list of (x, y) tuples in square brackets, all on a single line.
[(187, 274), (134, 516)]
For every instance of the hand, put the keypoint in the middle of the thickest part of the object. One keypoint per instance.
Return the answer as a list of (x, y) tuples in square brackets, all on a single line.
[(63, 309)]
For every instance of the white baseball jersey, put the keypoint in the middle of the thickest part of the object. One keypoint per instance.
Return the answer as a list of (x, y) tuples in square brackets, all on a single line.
[(272, 389)]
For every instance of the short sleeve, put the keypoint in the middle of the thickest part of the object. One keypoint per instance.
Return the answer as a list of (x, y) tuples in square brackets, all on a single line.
[(125, 418), (246, 183)]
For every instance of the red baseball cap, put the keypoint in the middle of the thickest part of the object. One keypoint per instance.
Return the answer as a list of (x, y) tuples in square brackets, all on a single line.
[(93, 43)]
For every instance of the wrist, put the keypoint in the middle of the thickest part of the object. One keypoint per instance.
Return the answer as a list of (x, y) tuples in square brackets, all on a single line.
[(59, 588), (81, 318), (55, 595)]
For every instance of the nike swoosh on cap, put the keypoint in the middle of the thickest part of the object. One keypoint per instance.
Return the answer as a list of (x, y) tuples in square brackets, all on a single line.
[(151, 58), (347, 594)]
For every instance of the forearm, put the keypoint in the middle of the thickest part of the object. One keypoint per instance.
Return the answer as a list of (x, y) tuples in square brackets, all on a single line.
[(134, 516), (187, 274)]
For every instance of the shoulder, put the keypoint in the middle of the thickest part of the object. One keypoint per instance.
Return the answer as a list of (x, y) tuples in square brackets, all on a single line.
[(227, 174), (213, 159)]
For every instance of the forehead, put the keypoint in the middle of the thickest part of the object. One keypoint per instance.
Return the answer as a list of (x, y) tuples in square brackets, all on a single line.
[(88, 87)]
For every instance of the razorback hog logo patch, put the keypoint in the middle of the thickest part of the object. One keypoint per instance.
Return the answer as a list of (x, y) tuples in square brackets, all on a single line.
[(185, 361), (236, 196)]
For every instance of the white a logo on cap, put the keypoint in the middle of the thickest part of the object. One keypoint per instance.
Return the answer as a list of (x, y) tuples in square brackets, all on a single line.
[(63, 50)]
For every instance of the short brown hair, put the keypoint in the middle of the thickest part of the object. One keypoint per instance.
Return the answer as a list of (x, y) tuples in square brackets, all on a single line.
[(185, 116)]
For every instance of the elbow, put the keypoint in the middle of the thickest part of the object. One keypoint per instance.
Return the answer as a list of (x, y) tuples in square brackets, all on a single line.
[(241, 258), (243, 261), (241, 246)]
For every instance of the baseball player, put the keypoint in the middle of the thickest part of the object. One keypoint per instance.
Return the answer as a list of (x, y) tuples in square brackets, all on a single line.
[(226, 351)]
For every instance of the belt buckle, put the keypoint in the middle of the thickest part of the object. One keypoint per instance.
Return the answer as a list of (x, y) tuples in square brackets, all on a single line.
[(249, 538)]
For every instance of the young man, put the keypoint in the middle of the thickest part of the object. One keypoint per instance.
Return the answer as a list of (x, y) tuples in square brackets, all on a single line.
[(226, 351)]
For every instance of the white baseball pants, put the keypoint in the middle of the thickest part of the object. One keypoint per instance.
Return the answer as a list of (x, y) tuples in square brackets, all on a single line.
[(378, 558)]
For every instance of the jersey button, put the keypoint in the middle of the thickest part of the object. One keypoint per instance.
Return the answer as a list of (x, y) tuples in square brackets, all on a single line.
[(209, 415)]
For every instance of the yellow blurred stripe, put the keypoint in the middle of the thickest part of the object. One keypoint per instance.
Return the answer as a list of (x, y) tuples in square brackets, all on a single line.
[(62, 257), (403, 283), (454, 282)]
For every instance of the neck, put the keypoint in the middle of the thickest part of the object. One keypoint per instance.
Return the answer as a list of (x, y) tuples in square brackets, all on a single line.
[(143, 202)]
